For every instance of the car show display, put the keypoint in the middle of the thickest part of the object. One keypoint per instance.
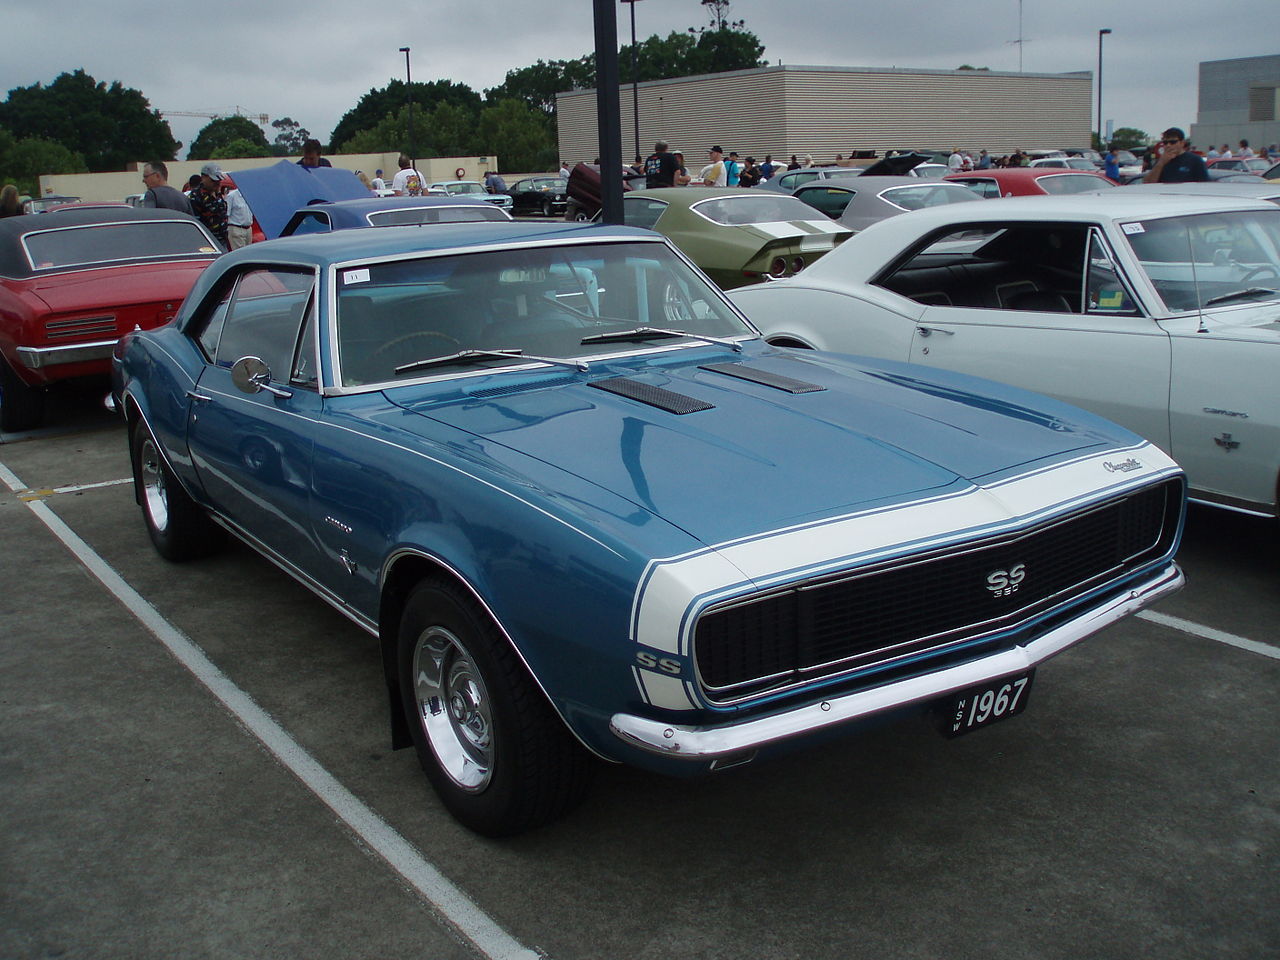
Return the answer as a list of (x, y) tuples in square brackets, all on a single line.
[(588, 512)]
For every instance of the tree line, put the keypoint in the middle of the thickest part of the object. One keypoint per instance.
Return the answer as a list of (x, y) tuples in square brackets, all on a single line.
[(77, 124)]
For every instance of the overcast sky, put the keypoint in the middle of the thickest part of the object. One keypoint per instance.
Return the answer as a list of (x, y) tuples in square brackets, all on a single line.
[(312, 62)]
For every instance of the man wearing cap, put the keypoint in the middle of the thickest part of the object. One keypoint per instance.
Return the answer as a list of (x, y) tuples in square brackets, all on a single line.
[(208, 204), (714, 173)]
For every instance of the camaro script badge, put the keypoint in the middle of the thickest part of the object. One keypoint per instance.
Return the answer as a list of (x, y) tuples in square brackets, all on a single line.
[(1004, 583), (1124, 466)]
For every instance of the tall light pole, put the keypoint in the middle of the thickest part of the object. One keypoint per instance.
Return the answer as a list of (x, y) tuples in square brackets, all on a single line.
[(1101, 34), (408, 85), (635, 77)]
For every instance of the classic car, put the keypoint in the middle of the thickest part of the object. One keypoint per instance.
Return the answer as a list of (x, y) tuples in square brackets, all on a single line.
[(897, 165), (1159, 312), (72, 281), (45, 204), (389, 212), (468, 188), (544, 195), (858, 202), (1249, 187), (276, 192), (1065, 163), (1029, 181), (736, 236), (1257, 165), (587, 512)]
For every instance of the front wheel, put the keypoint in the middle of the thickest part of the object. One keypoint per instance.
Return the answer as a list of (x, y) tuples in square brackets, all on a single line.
[(548, 208), (488, 740), (178, 526)]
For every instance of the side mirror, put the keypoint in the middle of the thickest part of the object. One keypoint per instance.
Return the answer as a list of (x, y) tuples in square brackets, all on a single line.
[(252, 375)]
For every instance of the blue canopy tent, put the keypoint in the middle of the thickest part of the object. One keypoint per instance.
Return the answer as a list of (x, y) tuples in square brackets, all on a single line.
[(274, 192)]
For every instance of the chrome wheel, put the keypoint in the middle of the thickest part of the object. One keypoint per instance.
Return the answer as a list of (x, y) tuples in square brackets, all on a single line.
[(453, 707), (154, 493)]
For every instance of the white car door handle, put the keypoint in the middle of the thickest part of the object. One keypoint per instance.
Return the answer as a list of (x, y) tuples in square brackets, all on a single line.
[(929, 331)]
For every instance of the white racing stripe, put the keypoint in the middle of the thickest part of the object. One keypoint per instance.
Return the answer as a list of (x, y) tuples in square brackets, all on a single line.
[(454, 906)]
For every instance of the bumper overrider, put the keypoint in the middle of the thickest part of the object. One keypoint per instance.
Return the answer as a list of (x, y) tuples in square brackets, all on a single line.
[(726, 742)]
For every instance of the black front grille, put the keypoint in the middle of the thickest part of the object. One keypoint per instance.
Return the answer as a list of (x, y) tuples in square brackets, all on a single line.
[(882, 613)]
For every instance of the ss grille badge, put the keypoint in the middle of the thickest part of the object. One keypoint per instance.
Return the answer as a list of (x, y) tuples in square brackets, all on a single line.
[(1004, 583)]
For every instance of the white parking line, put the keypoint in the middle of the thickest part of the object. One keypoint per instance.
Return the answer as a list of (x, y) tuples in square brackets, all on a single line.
[(1209, 633), (76, 488), (453, 905)]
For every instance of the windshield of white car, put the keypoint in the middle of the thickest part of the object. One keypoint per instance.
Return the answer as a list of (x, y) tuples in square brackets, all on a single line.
[(753, 207), (395, 319), (1208, 259), (107, 243)]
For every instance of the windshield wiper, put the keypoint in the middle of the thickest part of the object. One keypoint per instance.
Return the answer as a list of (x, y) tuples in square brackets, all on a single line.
[(1239, 295), (474, 356), (656, 333)]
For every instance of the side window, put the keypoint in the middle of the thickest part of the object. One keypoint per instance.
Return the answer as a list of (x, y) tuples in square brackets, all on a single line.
[(208, 337), (642, 212), (264, 316), (830, 200), (312, 223), (1105, 290)]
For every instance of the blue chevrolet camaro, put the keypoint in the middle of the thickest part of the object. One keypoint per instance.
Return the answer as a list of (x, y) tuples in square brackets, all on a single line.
[(588, 512)]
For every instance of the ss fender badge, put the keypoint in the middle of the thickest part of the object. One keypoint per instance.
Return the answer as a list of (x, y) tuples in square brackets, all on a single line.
[(651, 661), (1005, 583)]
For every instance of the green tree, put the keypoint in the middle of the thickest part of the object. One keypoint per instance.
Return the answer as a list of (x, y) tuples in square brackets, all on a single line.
[(375, 105), (23, 162), (518, 134), (1126, 138), (239, 147), (108, 126), (218, 134), (290, 136), (385, 136)]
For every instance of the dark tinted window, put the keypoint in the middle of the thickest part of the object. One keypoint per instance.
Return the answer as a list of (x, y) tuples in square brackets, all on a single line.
[(109, 242)]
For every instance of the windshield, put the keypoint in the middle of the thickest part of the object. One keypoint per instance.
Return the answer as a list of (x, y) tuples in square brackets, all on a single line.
[(543, 301), (105, 243), (1212, 258), (757, 208), (457, 189)]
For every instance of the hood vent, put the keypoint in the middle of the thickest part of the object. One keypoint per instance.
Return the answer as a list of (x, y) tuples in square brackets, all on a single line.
[(765, 377), (667, 400)]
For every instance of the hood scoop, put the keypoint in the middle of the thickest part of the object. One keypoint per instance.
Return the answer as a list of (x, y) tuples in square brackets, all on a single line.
[(765, 377), (667, 400)]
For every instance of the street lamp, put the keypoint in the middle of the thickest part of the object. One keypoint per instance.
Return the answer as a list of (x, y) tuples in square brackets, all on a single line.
[(408, 81), (635, 77), (1101, 34)]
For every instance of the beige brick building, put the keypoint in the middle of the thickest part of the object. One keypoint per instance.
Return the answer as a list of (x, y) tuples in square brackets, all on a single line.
[(823, 111)]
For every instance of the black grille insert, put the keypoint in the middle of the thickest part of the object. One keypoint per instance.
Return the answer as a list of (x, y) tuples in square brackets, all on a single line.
[(876, 615)]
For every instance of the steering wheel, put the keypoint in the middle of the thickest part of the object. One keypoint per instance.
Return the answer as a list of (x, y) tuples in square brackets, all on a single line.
[(1259, 271), (405, 338)]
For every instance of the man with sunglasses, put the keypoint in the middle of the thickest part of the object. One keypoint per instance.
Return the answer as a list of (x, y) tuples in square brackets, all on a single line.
[(1176, 163)]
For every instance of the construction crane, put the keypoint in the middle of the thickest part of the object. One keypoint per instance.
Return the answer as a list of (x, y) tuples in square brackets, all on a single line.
[(261, 119)]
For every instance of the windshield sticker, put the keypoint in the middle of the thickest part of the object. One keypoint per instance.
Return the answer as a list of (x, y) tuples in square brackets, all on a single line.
[(1111, 300), (1132, 228), (356, 276)]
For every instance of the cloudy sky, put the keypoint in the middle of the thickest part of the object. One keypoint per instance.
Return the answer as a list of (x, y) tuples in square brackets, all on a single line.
[(312, 62)]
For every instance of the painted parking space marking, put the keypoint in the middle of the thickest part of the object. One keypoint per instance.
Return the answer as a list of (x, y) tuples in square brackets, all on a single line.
[(451, 903), (1209, 633), (29, 495)]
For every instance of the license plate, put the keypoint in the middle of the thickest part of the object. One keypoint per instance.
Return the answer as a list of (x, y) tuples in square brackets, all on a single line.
[(983, 705)]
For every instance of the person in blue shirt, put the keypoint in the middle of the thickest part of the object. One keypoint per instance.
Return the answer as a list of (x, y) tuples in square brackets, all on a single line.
[(1110, 165), (732, 168), (1176, 163)]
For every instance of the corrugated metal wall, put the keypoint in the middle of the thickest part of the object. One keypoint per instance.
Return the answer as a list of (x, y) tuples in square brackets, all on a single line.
[(823, 111)]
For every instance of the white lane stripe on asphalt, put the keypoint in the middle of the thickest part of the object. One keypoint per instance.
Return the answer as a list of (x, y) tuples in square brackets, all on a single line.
[(1209, 633), (453, 905), (75, 488)]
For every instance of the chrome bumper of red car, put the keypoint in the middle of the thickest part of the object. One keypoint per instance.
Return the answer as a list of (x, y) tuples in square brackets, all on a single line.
[(38, 358), (711, 743)]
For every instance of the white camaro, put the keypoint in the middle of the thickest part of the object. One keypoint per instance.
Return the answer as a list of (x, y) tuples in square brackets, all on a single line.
[(1159, 312)]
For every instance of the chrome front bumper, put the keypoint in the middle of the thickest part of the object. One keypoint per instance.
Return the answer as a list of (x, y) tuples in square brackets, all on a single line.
[(718, 742), (37, 358)]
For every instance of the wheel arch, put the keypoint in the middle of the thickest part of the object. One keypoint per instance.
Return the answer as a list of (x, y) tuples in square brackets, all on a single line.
[(402, 572)]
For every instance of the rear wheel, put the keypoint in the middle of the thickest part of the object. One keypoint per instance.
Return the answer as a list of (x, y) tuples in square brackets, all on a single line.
[(178, 526), (21, 406), (496, 753)]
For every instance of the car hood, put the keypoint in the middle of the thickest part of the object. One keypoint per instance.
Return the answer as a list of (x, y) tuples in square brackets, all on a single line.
[(898, 165), (759, 457)]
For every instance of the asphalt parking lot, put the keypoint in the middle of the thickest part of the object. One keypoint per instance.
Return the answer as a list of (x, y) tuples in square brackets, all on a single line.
[(195, 763)]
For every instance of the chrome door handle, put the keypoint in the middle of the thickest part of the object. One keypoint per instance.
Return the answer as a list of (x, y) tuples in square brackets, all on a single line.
[(930, 331), (199, 396)]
